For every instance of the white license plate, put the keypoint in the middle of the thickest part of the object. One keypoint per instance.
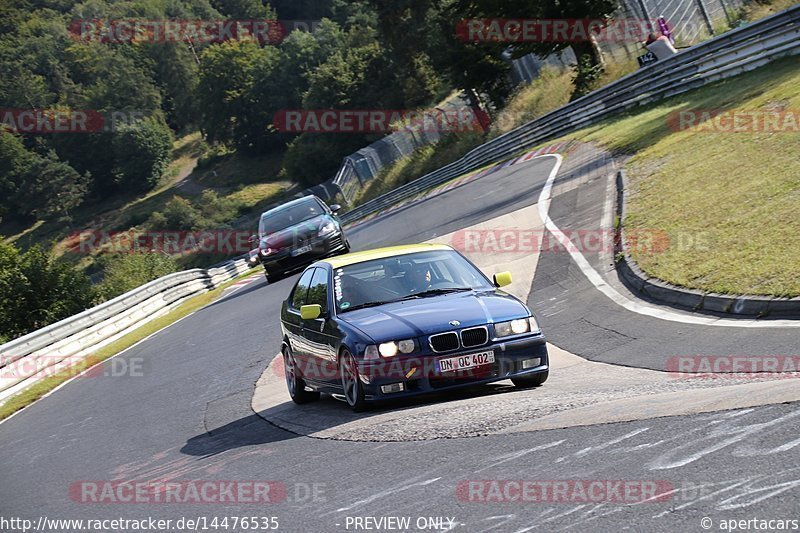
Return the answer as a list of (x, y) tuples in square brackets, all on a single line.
[(301, 250), (470, 360)]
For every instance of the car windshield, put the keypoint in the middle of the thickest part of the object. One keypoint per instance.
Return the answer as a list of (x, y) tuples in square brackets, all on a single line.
[(285, 217), (411, 276)]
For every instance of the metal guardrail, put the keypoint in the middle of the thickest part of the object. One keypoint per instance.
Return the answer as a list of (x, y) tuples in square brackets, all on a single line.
[(737, 51), (732, 53), (77, 336)]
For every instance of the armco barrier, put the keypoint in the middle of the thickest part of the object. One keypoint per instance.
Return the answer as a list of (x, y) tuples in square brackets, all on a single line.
[(732, 53), (81, 334)]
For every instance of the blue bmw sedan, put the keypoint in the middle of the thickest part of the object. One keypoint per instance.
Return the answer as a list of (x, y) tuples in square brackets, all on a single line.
[(402, 321)]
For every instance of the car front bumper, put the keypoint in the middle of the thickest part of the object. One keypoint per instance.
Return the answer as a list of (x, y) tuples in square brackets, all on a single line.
[(283, 260), (420, 374)]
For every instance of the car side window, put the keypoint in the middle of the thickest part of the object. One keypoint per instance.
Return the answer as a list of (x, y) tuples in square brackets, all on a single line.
[(318, 293), (300, 292)]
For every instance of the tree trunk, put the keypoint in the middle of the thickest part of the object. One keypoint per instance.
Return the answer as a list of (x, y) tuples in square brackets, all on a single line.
[(589, 48)]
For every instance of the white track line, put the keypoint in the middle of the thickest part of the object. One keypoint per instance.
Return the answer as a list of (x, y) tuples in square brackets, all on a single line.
[(597, 280), (132, 346)]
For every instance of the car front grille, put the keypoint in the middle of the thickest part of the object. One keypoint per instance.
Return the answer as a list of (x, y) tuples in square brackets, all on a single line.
[(474, 337), (444, 342), (335, 242)]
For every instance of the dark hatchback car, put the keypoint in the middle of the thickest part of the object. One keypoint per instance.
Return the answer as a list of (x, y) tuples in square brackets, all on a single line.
[(403, 321), (297, 233)]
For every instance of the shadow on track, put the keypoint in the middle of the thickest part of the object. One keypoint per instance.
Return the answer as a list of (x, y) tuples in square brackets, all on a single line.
[(331, 418), (251, 430)]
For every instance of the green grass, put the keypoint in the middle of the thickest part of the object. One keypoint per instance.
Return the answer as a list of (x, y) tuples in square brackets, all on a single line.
[(737, 193), (40, 388), (549, 91)]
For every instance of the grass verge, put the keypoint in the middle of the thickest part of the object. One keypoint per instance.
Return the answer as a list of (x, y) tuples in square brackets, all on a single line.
[(728, 200), (40, 388)]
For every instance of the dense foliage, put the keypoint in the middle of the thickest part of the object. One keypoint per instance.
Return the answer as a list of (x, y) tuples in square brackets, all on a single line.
[(358, 54), (36, 291)]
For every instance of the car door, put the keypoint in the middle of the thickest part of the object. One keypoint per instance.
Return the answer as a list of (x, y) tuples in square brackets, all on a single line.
[(321, 333), (294, 323)]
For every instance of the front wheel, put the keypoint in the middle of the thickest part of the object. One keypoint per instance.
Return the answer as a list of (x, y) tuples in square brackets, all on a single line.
[(295, 384), (351, 383), (535, 380), (271, 276)]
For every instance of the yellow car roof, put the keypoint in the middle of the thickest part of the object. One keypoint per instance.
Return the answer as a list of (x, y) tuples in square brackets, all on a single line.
[(381, 253)]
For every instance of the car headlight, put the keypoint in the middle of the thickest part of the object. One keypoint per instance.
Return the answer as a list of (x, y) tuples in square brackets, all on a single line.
[(327, 228), (267, 251), (389, 349), (516, 327), (406, 346)]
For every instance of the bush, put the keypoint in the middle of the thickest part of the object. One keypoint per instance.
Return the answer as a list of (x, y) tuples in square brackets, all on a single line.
[(179, 215), (216, 210), (36, 290), (141, 153), (125, 272)]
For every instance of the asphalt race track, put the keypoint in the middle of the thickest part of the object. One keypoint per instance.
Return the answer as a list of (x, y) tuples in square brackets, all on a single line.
[(189, 416)]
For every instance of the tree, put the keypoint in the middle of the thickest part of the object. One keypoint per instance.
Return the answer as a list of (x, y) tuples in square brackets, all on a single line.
[(227, 73), (141, 153), (408, 31), (37, 186), (587, 53), (49, 187), (175, 72), (36, 290), (14, 159), (244, 9)]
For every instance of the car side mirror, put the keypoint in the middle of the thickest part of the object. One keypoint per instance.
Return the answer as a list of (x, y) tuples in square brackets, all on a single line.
[(335, 208), (501, 279), (252, 239), (310, 312)]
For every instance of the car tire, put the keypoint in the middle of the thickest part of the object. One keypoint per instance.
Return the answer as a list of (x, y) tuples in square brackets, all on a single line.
[(295, 384), (536, 380), (272, 277), (352, 387)]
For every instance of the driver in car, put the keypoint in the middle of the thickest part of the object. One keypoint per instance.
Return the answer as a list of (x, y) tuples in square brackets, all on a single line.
[(420, 278)]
